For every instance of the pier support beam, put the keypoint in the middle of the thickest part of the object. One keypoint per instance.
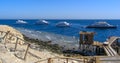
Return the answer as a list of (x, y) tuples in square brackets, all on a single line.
[(97, 60)]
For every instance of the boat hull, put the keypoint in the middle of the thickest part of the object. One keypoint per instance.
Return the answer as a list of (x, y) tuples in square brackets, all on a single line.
[(62, 26), (41, 23), (101, 27)]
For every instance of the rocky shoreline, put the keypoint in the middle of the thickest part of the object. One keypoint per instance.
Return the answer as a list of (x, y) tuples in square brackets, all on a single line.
[(13, 48)]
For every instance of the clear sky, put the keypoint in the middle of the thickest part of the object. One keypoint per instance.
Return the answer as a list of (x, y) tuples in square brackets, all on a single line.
[(60, 9)]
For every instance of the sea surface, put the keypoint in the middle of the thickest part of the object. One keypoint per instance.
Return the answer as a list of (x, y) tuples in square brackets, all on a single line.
[(73, 31)]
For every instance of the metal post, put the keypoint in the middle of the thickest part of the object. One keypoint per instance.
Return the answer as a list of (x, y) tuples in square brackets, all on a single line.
[(6, 34), (49, 60), (26, 51), (84, 60), (16, 44), (66, 60)]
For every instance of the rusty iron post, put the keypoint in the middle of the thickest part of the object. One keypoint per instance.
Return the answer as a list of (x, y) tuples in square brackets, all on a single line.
[(16, 44), (6, 34), (49, 60), (26, 52), (66, 60)]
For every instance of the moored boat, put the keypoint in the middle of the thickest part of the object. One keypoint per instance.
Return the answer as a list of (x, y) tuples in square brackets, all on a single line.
[(21, 22), (63, 24), (42, 22), (101, 25)]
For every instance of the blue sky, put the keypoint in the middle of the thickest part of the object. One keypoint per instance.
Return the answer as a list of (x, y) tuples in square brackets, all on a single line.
[(59, 9)]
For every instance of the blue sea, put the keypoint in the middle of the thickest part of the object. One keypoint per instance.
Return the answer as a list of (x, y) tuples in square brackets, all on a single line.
[(73, 31)]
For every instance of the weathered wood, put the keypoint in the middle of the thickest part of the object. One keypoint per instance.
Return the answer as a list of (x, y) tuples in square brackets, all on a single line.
[(85, 60), (81, 39), (97, 60), (86, 37)]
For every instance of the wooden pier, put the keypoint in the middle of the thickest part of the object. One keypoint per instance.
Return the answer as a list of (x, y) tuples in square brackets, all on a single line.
[(88, 44), (82, 59), (109, 50)]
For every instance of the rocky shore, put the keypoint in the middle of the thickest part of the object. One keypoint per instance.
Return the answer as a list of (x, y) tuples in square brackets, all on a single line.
[(38, 49)]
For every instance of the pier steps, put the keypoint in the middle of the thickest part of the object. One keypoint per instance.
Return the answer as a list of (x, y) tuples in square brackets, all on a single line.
[(109, 50)]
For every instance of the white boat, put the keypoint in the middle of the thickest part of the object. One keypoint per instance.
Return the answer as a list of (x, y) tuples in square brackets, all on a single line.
[(101, 25), (63, 24), (42, 22), (21, 22)]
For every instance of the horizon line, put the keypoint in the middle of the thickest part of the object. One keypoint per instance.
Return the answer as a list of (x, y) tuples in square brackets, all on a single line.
[(60, 18)]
